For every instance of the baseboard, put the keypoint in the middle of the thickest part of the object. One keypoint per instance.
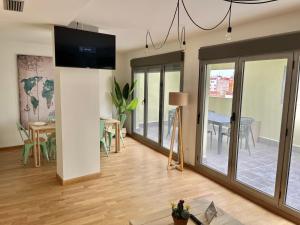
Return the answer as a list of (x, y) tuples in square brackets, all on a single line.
[(150, 144), (59, 179), (274, 143), (10, 148), (63, 182)]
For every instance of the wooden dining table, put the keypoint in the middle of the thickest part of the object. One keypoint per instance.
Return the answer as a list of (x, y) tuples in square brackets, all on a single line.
[(116, 124), (35, 132)]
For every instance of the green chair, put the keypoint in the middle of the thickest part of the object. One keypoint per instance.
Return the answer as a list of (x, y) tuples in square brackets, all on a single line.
[(112, 133), (102, 136), (51, 138), (51, 117), (28, 144), (51, 142)]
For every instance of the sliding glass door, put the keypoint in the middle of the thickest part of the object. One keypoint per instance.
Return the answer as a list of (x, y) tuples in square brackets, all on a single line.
[(153, 104), (217, 98), (172, 83), (293, 180), (263, 85), (290, 197), (249, 126), (152, 120), (139, 93)]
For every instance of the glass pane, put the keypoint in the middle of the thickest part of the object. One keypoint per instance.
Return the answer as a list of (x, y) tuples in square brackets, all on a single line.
[(139, 112), (218, 109), (153, 105), (172, 84), (260, 123), (293, 191)]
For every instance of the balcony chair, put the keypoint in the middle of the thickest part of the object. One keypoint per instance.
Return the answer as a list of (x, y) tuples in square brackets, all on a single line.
[(211, 131), (244, 131), (171, 114)]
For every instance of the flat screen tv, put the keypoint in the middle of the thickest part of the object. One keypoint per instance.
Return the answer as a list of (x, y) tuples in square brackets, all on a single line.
[(84, 49)]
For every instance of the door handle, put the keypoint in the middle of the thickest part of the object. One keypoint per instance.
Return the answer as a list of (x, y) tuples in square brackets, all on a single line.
[(232, 118)]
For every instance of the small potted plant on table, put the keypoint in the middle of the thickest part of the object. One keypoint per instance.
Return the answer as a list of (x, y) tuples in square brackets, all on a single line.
[(180, 213)]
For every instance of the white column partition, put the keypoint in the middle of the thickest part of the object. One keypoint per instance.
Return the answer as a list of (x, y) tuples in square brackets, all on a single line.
[(77, 119)]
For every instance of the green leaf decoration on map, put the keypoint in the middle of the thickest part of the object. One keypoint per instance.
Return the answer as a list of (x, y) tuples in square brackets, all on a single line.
[(30, 83), (48, 92), (35, 103)]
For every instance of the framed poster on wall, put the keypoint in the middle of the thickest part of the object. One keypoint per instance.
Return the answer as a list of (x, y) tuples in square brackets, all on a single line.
[(36, 88)]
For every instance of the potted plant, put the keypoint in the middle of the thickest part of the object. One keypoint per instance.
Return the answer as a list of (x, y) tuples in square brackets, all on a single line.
[(122, 99), (180, 213)]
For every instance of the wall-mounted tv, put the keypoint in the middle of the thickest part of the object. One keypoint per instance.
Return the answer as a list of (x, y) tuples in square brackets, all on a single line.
[(84, 49)]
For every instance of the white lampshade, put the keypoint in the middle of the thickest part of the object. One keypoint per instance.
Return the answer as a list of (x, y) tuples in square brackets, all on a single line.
[(178, 98)]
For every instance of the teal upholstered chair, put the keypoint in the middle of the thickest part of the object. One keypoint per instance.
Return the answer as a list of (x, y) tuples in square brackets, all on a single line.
[(112, 132), (102, 136), (28, 144)]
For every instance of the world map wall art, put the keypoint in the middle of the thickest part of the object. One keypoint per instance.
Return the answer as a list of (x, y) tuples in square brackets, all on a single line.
[(36, 88)]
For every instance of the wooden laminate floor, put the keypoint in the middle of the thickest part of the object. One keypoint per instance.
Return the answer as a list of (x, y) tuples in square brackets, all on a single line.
[(133, 182)]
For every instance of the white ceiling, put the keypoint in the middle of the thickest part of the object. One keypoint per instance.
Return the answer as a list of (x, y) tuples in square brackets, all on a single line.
[(128, 19)]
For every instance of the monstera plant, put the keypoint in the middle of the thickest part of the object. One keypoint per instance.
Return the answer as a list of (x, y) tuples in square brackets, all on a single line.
[(122, 99)]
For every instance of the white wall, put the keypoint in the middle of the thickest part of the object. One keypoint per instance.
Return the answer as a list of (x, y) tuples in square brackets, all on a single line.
[(9, 93), (105, 86), (121, 68), (120, 73), (281, 24), (77, 125)]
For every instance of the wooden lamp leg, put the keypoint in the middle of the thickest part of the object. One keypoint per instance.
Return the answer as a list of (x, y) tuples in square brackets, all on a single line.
[(180, 150), (174, 125), (177, 122)]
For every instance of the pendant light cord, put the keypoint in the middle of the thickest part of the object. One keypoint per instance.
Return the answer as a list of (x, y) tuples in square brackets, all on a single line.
[(251, 2), (230, 10), (205, 28), (159, 46), (178, 22), (181, 36)]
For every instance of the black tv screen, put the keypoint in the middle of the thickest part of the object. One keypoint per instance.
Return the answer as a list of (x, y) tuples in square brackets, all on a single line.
[(84, 49)]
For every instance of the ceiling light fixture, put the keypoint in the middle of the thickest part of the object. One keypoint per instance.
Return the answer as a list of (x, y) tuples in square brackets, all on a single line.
[(250, 1), (181, 30)]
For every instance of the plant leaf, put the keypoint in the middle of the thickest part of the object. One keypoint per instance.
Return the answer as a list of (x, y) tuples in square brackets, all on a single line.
[(132, 87), (114, 100), (118, 90), (124, 103), (133, 84), (126, 91), (122, 109), (132, 105)]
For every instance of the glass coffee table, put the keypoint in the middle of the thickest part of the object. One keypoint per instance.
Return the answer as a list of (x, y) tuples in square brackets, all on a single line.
[(198, 207)]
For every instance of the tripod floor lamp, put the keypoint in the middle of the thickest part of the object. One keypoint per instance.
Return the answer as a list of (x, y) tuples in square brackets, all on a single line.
[(178, 99)]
